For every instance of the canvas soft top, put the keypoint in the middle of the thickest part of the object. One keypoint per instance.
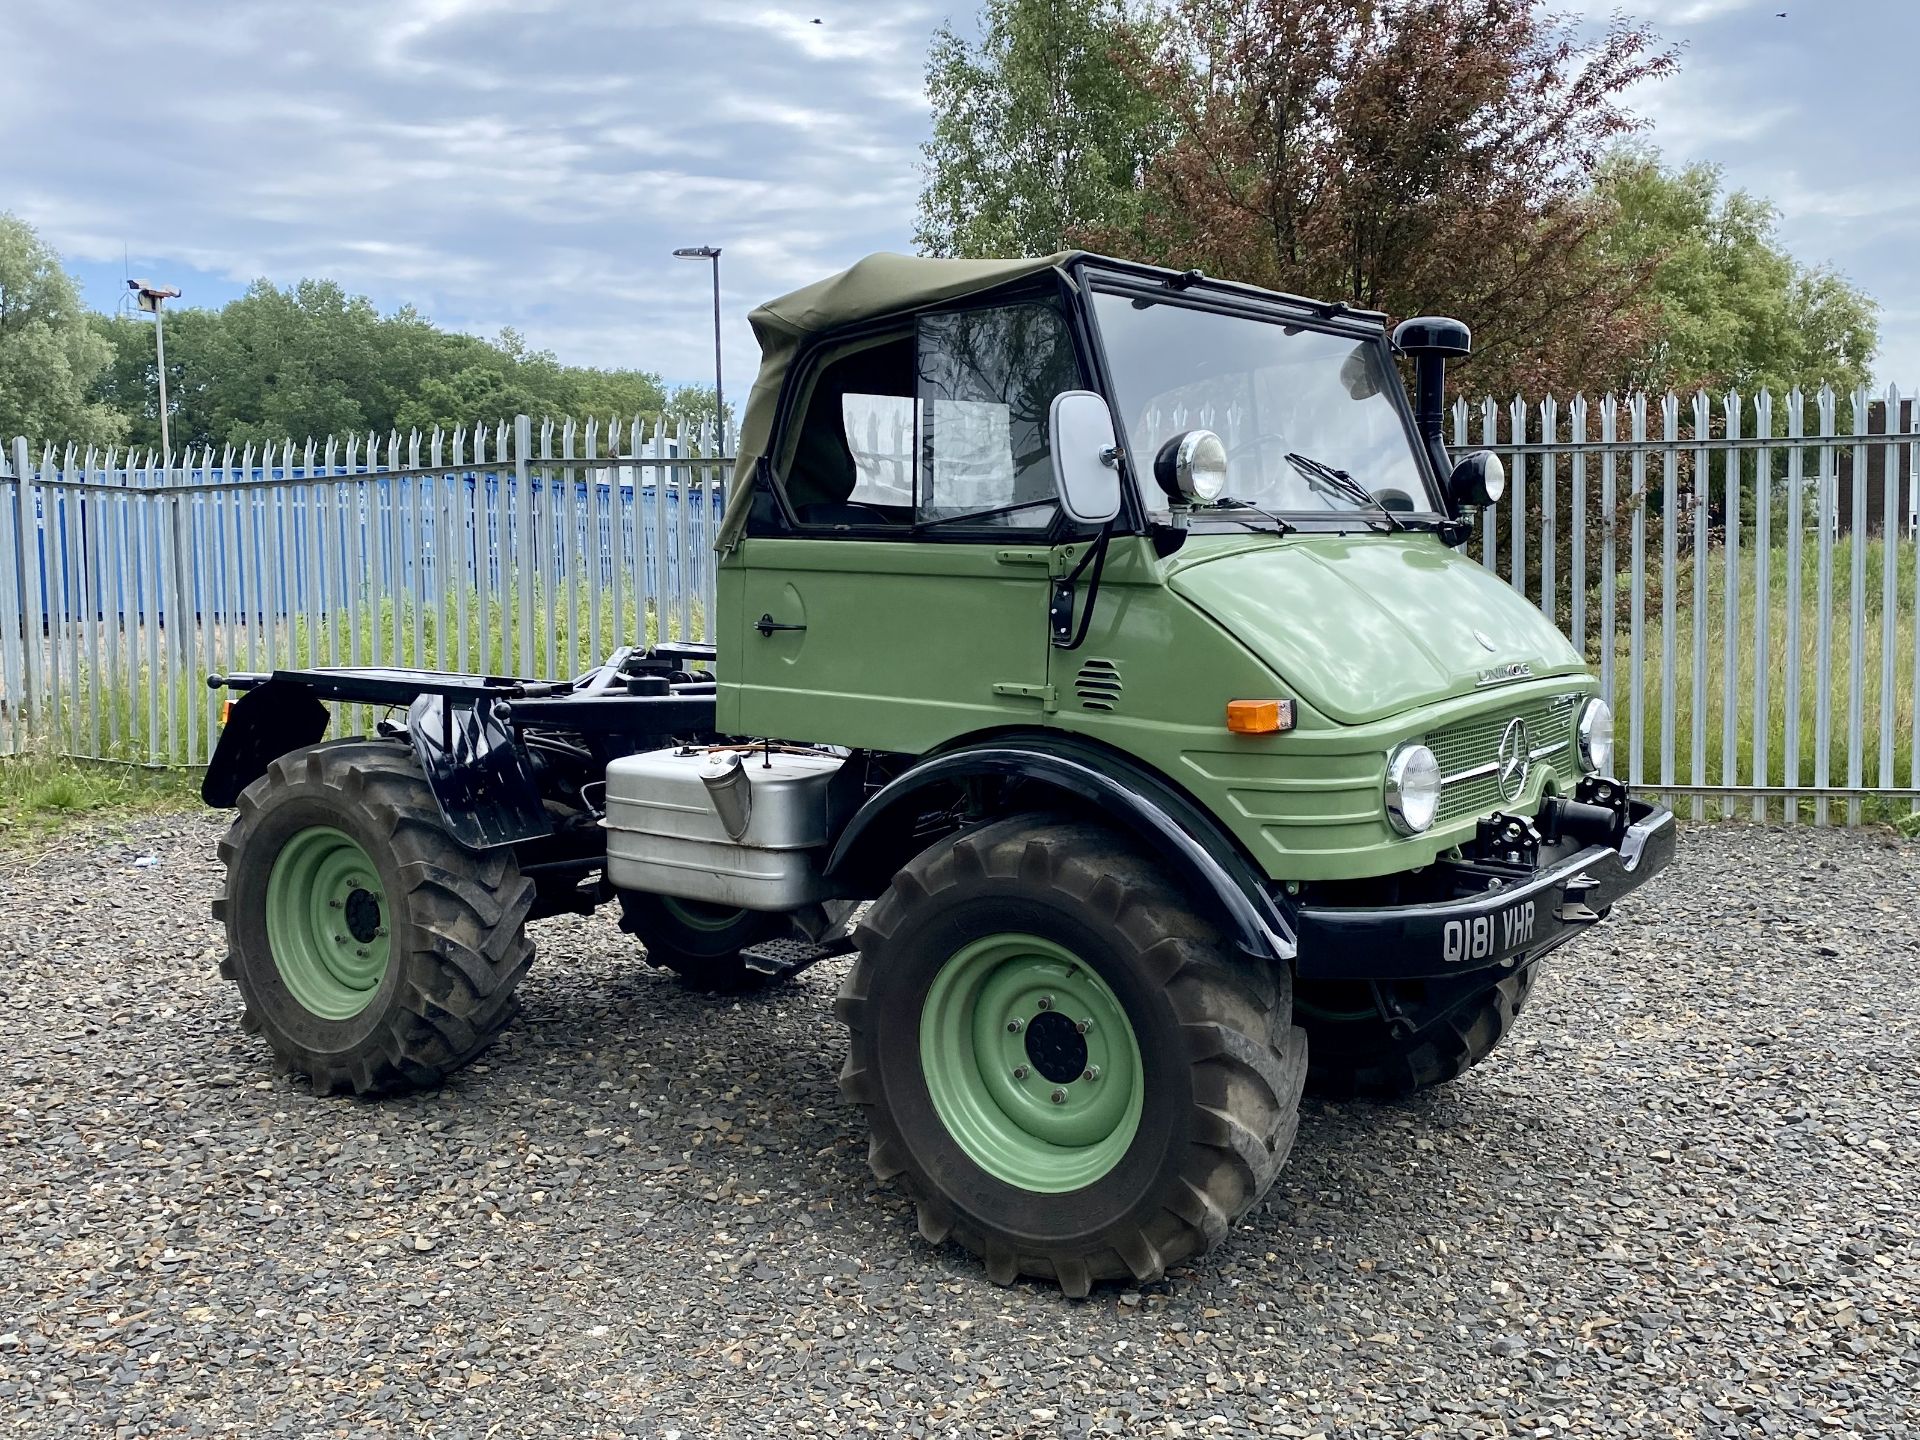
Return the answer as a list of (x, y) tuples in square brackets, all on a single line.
[(870, 289)]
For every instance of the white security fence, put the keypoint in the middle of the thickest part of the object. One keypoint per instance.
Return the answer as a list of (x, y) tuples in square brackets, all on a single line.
[(125, 581), (1740, 572)]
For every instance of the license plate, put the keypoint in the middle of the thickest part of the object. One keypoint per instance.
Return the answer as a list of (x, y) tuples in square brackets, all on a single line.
[(1484, 936)]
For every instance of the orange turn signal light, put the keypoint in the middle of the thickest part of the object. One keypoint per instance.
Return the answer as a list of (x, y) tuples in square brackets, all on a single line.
[(1259, 717), (226, 710)]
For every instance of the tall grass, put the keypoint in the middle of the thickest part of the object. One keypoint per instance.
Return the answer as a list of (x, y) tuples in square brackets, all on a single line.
[(1884, 757), (41, 794), (130, 709)]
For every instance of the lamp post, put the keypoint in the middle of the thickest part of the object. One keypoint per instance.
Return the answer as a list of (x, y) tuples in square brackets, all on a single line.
[(712, 252), (149, 297)]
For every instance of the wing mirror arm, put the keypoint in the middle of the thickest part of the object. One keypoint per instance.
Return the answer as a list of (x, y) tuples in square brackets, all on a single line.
[(1060, 626)]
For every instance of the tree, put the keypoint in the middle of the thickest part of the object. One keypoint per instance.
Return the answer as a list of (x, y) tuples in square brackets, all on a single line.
[(312, 360), (1038, 131), (1734, 308), (1408, 156), (49, 356)]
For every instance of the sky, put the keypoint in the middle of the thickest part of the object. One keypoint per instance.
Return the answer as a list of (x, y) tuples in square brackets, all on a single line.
[(533, 163)]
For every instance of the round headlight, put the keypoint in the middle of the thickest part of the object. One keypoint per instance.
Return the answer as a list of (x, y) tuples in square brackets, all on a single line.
[(1192, 466), (1596, 737), (1413, 789)]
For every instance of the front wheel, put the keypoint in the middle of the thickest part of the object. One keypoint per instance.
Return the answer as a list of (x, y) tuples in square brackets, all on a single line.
[(1357, 1053), (1074, 1072)]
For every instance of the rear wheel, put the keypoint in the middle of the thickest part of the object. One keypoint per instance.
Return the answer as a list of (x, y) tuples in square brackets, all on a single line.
[(1073, 1071), (701, 942), (1357, 1053), (372, 951)]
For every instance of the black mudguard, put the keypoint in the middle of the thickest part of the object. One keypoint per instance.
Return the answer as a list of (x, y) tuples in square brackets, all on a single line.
[(477, 770), (263, 724), (877, 841)]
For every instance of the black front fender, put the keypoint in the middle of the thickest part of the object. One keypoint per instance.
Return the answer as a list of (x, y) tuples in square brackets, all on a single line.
[(1199, 857)]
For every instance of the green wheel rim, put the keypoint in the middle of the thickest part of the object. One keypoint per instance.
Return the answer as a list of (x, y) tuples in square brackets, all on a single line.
[(327, 922), (1031, 1063), (701, 914)]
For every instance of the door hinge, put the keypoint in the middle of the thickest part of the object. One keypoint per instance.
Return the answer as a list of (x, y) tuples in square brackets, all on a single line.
[(1047, 696), (1024, 557)]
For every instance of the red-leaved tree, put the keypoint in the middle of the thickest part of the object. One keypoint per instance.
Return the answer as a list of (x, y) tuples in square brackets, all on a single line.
[(1411, 156)]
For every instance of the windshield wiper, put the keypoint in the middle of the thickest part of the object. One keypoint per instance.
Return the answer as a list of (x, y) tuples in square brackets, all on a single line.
[(1342, 482), (1227, 502)]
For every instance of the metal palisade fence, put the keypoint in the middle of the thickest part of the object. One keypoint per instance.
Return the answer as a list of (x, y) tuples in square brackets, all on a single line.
[(1740, 572), (508, 549)]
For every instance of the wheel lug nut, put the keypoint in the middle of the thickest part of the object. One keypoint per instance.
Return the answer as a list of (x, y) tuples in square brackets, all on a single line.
[(1060, 1097), (362, 953), (1093, 1073), (335, 904), (1020, 1072), (1046, 1002), (339, 939), (381, 932), (1084, 1026), (1016, 1025)]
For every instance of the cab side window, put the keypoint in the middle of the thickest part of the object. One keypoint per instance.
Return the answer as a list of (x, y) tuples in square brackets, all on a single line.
[(986, 379), (851, 463), (943, 426)]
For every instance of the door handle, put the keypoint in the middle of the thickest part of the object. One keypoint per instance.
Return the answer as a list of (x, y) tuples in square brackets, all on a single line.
[(766, 625)]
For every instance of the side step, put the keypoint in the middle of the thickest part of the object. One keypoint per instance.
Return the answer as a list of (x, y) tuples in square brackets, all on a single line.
[(783, 959)]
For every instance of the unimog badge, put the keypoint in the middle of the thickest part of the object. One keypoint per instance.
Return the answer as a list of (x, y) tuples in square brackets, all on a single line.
[(1501, 674)]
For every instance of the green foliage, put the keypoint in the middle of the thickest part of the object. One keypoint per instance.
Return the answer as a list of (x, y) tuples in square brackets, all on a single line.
[(42, 794), (1306, 145), (49, 356), (1037, 131), (1735, 309), (312, 360)]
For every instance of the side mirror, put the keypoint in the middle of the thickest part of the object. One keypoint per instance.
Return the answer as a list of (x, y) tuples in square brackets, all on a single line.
[(1085, 456), (1478, 480)]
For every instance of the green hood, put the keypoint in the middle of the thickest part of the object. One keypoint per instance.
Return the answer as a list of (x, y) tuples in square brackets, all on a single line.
[(1364, 627)]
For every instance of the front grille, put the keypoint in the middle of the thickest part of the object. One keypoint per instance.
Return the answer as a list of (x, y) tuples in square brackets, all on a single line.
[(1471, 746)]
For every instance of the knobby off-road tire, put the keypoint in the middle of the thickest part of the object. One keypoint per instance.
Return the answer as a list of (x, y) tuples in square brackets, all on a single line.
[(1355, 1055), (372, 950), (1055, 923), (701, 943)]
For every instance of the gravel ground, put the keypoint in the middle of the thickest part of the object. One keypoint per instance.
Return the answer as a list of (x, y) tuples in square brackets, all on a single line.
[(1679, 1203)]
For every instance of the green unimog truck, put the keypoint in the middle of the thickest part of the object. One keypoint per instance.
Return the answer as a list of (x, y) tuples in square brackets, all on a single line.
[(1148, 736)]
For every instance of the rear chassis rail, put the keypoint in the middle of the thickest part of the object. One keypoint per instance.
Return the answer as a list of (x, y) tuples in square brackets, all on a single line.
[(511, 761)]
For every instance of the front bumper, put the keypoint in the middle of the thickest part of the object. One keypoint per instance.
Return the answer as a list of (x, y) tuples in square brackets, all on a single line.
[(1513, 922)]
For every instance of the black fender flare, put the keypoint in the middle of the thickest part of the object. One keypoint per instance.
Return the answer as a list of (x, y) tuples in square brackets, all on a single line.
[(1134, 799), (263, 724)]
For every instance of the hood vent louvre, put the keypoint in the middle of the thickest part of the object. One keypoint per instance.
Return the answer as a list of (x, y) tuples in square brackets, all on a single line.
[(1098, 685)]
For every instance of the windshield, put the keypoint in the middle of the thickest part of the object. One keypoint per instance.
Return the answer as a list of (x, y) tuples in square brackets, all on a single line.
[(1289, 403)]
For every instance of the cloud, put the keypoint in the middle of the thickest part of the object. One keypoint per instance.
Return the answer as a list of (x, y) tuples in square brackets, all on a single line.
[(533, 162), (493, 162)]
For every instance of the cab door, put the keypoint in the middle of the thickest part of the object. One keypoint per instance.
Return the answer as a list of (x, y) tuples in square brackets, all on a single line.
[(905, 604)]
